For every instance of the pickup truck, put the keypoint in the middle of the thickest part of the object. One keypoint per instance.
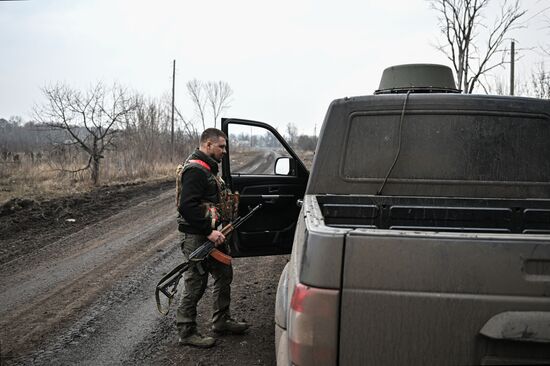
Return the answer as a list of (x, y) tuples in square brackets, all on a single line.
[(421, 236)]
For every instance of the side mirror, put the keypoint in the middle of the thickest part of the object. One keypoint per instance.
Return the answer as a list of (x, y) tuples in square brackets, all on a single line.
[(282, 166)]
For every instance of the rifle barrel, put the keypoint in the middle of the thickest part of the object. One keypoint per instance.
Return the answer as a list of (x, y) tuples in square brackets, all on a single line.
[(240, 220)]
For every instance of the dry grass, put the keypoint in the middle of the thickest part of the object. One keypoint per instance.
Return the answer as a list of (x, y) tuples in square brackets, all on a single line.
[(26, 180), (306, 156), (41, 181)]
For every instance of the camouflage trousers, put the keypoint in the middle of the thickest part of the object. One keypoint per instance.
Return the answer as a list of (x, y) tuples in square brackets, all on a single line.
[(196, 283)]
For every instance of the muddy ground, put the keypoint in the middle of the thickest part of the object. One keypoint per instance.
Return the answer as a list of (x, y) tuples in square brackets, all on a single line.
[(78, 277)]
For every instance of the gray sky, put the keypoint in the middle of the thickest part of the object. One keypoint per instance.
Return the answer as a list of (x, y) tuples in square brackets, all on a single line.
[(286, 60)]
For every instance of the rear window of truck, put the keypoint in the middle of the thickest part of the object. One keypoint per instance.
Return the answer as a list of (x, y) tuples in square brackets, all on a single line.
[(447, 146)]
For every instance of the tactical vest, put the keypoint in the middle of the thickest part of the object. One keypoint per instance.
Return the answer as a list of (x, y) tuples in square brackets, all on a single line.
[(220, 204)]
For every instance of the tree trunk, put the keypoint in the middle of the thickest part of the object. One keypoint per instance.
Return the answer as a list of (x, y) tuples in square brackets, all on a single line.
[(95, 170), (95, 162)]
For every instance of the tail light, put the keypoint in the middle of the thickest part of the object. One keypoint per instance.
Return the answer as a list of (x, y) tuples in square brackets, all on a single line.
[(313, 326)]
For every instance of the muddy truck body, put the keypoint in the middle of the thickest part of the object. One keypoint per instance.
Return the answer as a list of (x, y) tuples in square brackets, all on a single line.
[(423, 237)]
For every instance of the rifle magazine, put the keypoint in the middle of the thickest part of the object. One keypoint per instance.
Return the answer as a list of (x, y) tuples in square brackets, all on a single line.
[(220, 257)]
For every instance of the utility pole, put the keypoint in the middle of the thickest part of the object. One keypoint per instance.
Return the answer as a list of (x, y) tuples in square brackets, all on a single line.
[(173, 97), (512, 66)]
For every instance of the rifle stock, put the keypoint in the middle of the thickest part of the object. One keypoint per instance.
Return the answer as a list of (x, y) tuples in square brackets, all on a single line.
[(168, 285)]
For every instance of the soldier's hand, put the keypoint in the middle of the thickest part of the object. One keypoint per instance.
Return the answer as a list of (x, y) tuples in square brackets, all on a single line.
[(216, 237)]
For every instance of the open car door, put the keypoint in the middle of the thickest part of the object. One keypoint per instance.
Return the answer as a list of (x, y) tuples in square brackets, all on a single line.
[(262, 167)]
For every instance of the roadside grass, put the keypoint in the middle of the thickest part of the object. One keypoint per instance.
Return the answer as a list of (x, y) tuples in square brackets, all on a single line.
[(306, 156), (39, 181)]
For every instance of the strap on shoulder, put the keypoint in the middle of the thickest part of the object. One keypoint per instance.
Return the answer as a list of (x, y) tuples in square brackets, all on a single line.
[(201, 163)]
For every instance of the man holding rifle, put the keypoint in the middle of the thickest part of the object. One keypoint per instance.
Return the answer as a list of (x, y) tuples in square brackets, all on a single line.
[(204, 204)]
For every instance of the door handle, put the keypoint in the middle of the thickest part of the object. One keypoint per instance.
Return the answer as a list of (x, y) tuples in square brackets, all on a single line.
[(270, 198)]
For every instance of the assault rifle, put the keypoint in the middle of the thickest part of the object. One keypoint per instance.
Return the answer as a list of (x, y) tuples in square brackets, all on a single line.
[(169, 283)]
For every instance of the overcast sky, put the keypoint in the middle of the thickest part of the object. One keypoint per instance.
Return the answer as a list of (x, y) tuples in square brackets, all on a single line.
[(285, 60)]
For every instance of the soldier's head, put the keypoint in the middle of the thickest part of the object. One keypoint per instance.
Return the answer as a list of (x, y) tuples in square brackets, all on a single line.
[(213, 143)]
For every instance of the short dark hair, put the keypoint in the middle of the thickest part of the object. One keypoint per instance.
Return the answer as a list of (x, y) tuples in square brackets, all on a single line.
[(213, 134)]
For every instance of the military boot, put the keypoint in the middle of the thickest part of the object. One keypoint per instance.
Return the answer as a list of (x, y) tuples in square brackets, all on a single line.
[(196, 339), (229, 326)]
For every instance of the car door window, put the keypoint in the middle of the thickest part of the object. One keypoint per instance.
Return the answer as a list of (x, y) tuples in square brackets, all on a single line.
[(254, 150)]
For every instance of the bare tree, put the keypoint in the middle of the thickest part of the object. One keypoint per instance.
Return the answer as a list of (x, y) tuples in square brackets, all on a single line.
[(90, 118), (306, 142), (546, 47), (195, 88), (218, 93), (16, 120), (462, 23), (213, 96), (145, 129), (188, 128), (292, 133), (541, 77), (540, 82)]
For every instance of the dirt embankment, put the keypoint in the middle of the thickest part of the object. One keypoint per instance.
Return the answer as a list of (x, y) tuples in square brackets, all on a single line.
[(26, 225), (78, 276)]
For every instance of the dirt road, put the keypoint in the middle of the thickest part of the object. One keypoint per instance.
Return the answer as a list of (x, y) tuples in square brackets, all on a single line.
[(257, 162), (86, 296)]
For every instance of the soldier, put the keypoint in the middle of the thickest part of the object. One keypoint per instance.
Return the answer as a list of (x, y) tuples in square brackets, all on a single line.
[(199, 204)]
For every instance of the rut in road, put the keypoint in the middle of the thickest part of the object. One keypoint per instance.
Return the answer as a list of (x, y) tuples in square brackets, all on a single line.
[(43, 292)]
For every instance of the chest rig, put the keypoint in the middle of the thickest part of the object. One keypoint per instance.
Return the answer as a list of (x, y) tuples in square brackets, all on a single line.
[(219, 203)]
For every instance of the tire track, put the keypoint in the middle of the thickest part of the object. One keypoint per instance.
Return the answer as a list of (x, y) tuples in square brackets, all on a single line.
[(38, 302)]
